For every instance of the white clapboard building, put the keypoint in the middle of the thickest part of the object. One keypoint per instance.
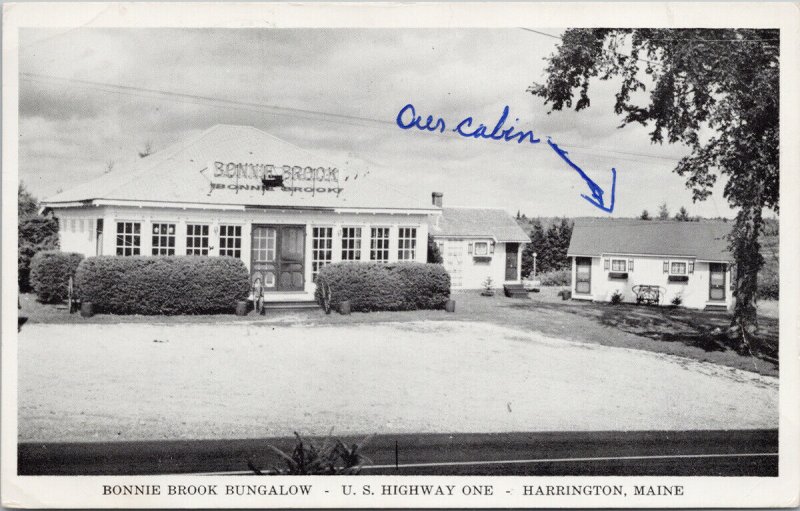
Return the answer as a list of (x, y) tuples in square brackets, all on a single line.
[(285, 211), (667, 261)]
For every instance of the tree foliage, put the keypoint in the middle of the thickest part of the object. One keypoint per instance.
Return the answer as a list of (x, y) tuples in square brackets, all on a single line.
[(663, 211), (34, 234), (645, 215), (682, 215), (550, 246), (715, 91)]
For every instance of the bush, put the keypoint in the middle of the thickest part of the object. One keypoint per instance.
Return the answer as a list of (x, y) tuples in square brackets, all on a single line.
[(163, 285), (50, 273), (616, 298), (768, 285), (555, 278), (377, 286), (677, 301), (34, 234)]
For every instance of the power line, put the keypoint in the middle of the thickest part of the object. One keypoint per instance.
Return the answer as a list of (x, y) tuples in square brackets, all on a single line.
[(307, 114)]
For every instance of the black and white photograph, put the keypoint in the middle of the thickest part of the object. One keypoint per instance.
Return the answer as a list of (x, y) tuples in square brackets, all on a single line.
[(257, 249)]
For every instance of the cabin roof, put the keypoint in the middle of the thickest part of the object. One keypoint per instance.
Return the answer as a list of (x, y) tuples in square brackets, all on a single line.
[(701, 240)]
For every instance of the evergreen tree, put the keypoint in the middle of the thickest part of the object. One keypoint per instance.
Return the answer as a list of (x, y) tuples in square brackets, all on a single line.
[(682, 215), (645, 215)]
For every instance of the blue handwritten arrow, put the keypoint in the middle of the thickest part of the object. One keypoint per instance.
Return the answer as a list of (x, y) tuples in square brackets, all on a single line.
[(597, 193)]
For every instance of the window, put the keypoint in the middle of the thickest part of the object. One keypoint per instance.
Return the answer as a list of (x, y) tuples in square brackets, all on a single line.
[(618, 265), (407, 244), (230, 240), (128, 238), (321, 249), (196, 239), (351, 243), (481, 248), (379, 244), (677, 268), (163, 239)]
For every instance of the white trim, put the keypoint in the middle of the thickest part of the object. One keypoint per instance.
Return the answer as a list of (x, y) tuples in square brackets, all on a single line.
[(658, 256), (389, 211)]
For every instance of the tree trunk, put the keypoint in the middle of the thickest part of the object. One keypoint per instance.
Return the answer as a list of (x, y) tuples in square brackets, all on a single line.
[(746, 252)]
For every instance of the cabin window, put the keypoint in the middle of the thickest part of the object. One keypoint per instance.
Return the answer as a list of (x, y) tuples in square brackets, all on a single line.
[(129, 238), (618, 265), (481, 248), (351, 243), (677, 268), (197, 239), (163, 239), (230, 240), (379, 244), (321, 249), (407, 244)]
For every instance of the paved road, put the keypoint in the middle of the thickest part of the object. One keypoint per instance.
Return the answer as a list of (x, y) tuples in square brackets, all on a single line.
[(674, 453)]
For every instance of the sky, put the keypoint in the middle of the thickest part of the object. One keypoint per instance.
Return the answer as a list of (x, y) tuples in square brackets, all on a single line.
[(337, 92)]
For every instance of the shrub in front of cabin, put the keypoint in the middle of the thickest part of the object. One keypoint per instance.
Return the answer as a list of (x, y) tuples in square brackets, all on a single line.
[(50, 273), (554, 278), (166, 285), (384, 287)]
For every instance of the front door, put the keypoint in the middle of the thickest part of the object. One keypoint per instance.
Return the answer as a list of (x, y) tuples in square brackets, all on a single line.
[(278, 256), (512, 260), (583, 275), (716, 281)]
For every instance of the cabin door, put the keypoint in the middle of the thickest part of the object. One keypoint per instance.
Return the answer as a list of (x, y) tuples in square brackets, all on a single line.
[(512, 260), (278, 257), (716, 281)]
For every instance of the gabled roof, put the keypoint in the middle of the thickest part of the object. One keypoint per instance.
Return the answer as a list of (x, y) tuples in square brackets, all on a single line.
[(705, 241), (478, 222), (187, 172)]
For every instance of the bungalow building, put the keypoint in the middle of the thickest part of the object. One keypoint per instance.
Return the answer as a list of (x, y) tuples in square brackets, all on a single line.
[(478, 243), (286, 212), (658, 260), (239, 191)]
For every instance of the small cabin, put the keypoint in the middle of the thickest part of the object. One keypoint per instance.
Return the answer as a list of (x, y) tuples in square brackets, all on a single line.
[(478, 243), (656, 262)]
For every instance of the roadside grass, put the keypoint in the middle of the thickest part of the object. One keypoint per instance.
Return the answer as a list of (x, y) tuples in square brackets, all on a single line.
[(674, 331)]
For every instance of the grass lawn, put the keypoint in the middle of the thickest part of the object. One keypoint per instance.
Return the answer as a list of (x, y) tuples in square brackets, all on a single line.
[(683, 332)]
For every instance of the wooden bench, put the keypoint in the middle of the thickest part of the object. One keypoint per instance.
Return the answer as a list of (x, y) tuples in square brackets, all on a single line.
[(647, 294)]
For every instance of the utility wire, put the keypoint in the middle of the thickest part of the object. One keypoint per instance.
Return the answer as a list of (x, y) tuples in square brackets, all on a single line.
[(282, 111)]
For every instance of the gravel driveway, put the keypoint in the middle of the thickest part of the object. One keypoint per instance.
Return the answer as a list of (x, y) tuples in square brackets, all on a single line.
[(137, 382)]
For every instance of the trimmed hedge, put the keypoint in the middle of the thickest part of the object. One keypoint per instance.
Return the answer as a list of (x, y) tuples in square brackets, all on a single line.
[(163, 284), (380, 286), (50, 273)]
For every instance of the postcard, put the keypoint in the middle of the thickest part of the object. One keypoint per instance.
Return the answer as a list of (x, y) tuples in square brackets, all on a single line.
[(346, 255)]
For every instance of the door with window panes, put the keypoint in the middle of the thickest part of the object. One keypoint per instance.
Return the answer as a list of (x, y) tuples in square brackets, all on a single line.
[(716, 281), (278, 257)]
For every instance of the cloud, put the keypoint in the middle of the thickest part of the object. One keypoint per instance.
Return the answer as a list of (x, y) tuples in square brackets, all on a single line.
[(69, 132)]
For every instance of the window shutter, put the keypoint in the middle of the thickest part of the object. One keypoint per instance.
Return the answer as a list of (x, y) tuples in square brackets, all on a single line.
[(630, 264), (469, 248), (606, 264), (691, 266), (666, 266)]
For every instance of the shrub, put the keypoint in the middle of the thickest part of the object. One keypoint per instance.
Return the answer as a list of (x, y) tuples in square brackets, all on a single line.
[(677, 300), (555, 278), (616, 298), (163, 285), (768, 285), (332, 458), (50, 273), (377, 286), (34, 234)]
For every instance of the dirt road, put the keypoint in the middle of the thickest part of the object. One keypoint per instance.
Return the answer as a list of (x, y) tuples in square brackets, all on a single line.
[(140, 382)]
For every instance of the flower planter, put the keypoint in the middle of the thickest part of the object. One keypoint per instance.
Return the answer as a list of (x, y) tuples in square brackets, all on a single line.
[(241, 308), (87, 310)]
